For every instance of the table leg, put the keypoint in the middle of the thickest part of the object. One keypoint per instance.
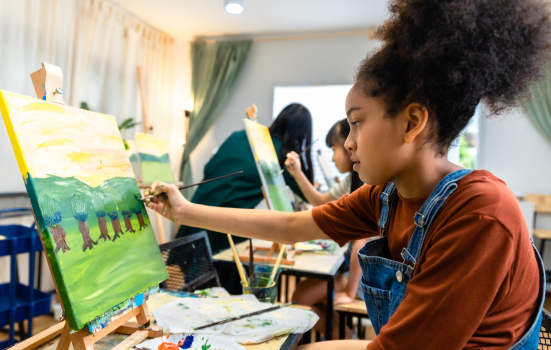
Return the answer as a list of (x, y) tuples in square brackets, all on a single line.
[(329, 310), (287, 300), (307, 338), (341, 325)]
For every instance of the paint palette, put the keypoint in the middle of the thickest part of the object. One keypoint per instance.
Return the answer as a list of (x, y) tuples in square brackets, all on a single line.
[(184, 315), (199, 342)]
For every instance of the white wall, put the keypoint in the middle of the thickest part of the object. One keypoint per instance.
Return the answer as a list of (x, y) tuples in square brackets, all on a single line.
[(276, 63), (513, 150)]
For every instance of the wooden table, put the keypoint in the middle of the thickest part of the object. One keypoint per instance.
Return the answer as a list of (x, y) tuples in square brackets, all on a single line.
[(309, 265), (285, 342)]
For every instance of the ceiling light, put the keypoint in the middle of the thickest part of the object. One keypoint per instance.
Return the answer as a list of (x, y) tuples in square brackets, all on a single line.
[(234, 7)]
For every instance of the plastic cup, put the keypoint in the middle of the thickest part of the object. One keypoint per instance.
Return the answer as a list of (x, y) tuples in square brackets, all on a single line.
[(259, 287)]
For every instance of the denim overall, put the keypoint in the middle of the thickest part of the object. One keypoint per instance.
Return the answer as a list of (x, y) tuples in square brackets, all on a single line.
[(384, 281)]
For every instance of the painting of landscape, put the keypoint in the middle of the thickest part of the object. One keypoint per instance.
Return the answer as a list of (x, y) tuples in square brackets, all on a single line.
[(267, 162), (96, 233), (133, 157), (154, 161)]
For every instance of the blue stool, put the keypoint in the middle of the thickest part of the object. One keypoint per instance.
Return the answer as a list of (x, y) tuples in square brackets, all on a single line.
[(17, 301)]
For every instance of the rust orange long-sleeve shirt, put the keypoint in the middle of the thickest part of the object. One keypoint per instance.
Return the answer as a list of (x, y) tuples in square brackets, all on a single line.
[(476, 282)]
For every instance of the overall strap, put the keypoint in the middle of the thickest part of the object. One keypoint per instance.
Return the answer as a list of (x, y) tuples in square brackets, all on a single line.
[(424, 217), (386, 198)]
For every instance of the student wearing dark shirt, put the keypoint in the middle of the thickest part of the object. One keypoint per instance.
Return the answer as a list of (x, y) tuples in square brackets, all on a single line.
[(291, 131), (454, 267)]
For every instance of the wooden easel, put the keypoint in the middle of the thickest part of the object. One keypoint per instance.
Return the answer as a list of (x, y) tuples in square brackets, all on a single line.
[(148, 128), (274, 249), (83, 339)]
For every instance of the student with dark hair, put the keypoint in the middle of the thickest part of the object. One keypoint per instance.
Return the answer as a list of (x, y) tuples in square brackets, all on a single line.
[(341, 157), (454, 267), (313, 292), (291, 131)]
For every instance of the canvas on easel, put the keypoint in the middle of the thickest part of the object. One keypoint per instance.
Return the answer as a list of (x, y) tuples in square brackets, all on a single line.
[(132, 153), (265, 156), (274, 188), (96, 234), (154, 160)]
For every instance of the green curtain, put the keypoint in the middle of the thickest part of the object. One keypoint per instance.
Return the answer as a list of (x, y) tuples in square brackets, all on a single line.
[(215, 71), (538, 108)]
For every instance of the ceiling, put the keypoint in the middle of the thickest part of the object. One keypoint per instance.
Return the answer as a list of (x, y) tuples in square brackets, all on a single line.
[(186, 19)]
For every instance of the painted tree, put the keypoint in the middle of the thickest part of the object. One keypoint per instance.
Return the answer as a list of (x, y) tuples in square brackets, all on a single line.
[(126, 212), (52, 216), (136, 207), (98, 201), (111, 208), (81, 215)]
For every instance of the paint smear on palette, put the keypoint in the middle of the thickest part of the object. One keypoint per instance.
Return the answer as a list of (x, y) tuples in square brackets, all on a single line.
[(190, 341), (185, 343)]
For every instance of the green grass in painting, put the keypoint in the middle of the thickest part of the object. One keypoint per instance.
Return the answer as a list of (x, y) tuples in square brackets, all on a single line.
[(280, 198), (97, 279), (155, 168)]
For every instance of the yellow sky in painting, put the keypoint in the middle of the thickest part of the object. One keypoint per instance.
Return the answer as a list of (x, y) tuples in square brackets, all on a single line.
[(64, 141), (151, 144), (262, 141)]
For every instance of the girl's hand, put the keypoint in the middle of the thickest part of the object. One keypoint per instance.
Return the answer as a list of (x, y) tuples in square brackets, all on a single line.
[(293, 164), (342, 298), (168, 201)]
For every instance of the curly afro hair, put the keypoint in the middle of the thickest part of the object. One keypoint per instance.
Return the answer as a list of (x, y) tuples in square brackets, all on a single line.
[(451, 54)]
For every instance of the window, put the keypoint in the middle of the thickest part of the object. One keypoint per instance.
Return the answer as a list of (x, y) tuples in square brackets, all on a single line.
[(327, 105), (464, 149)]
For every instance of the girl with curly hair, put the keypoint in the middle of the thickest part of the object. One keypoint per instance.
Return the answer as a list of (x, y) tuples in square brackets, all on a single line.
[(454, 267)]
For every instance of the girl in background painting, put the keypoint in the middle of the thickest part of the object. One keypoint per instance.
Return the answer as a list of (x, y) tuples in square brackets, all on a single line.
[(313, 292), (291, 131)]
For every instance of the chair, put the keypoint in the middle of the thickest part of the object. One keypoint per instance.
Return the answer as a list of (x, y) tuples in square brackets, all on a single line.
[(542, 206), (545, 333), (347, 312), (189, 263)]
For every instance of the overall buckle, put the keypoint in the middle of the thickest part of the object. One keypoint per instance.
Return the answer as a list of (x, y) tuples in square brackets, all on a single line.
[(384, 198), (419, 219), (406, 255)]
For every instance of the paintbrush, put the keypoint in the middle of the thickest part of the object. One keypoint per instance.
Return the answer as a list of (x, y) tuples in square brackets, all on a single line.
[(251, 262), (197, 184), (246, 315), (300, 155), (238, 262), (274, 271)]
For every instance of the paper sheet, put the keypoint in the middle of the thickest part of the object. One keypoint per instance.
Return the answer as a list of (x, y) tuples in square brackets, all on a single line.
[(185, 314)]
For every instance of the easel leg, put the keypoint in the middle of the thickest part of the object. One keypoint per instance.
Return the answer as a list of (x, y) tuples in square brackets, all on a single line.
[(65, 339), (143, 316), (132, 340), (80, 342)]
